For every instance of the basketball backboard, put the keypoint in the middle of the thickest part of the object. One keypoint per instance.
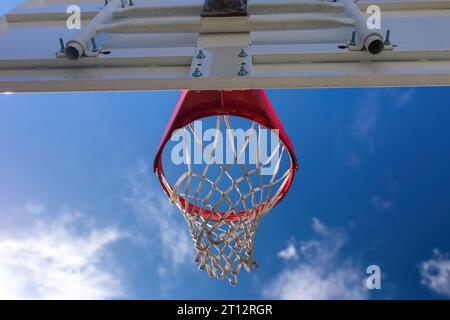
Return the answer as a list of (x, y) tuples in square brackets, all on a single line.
[(161, 45)]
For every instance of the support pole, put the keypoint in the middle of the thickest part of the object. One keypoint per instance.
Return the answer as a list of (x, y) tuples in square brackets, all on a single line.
[(81, 45), (369, 39)]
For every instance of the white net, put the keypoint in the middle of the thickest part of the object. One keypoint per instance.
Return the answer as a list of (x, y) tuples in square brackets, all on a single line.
[(223, 203)]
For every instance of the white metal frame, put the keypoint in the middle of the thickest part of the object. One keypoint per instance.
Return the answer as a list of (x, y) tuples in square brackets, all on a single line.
[(281, 44)]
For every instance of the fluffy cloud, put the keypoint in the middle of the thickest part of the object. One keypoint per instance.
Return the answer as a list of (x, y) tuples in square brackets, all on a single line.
[(319, 273), (435, 273), (65, 256), (290, 252), (57, 259), (159, 218)]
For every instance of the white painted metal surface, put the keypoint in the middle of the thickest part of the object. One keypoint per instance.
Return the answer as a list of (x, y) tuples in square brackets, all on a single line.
[(156, 45)]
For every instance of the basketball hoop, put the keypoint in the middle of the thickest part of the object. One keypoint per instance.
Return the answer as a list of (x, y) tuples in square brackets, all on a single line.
[(223, 229)]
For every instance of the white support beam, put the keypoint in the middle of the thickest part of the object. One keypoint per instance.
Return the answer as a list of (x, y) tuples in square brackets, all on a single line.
[(177, 10), (230, 24), (289, 44)]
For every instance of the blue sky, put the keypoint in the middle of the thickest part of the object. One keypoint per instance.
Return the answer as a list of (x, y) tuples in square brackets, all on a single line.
[(83, 216), (7, 5)]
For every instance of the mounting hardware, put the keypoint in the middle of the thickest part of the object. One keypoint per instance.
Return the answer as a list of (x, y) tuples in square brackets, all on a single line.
[(61, 44), (387, 41), (224, 8), (353, 41), (243, 71), (197, 73), (201, 55), (243, 54), (94, 45)]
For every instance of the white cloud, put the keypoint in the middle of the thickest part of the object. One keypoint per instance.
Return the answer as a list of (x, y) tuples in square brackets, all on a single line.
[(380, 203), (435, 273), (34, 208), (289, 253), (367, 127), (319, 227), (168, 232), (51, 260), (65, 256), (404, 97), (320, 273), (366, 122)]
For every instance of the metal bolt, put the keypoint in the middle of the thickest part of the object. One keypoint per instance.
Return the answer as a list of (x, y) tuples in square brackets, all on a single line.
[(131, 3), (387, 40), (200, 55), (353, 41), (94, 45), (242, 54), (197, 73), (61, 44), (243, 71)]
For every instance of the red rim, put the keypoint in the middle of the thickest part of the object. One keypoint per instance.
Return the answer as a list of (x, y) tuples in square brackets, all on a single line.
[(250, 104)]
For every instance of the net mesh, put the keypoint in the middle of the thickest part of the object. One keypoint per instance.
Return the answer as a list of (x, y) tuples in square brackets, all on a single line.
[(224, 203)]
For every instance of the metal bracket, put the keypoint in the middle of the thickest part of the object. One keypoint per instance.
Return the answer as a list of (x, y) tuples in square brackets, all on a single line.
[(222, 55), (224, 8), (93, 52), (356, 44)]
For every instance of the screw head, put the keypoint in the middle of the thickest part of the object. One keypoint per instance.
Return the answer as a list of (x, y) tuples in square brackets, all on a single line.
[(243, 72), (243, 54), (197, 73), (200, 55)]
